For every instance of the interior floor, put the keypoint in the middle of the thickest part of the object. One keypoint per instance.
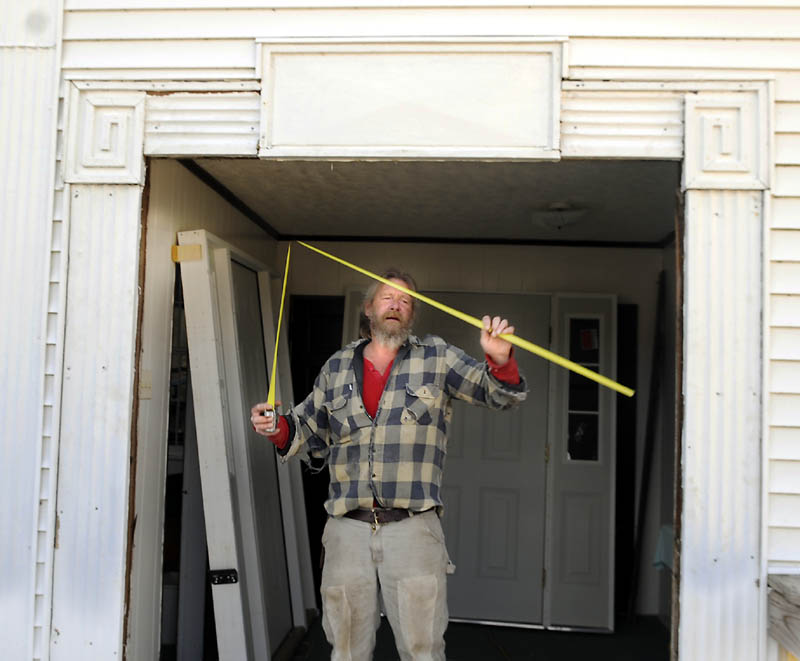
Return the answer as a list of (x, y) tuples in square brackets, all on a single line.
[(644, 638)]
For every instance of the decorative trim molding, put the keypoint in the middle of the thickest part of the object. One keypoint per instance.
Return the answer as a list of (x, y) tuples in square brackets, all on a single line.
[(105, 137), (727, 141), (400, 98)]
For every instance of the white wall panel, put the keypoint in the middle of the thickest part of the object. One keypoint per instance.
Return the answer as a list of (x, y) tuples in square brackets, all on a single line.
[(28, 107), (188, 124), (720, 549), (622, 124), (94, 457)]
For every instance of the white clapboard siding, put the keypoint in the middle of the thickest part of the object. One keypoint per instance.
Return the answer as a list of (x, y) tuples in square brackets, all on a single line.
[(759, 54), (787, 181), (200, 124), (782, 544), (783, 376), (785, 343), (169, 22), (785, 278), (785, 412), (194, 4), (612, 124), (787, 82), (786, 213), (787, 148), (784, 311), (784, 443), (787, 117), (783, 508)]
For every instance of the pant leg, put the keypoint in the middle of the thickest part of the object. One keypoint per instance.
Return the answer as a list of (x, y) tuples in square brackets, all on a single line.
[(350, 612), (414, 585)]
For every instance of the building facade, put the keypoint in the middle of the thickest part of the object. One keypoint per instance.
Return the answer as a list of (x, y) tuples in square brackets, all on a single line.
[(111, 108)]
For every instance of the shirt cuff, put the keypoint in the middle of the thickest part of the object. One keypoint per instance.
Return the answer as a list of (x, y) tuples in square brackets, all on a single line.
[(507, 373), (281, 438)]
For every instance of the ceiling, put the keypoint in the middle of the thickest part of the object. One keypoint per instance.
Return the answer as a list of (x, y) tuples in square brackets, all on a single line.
[(609, 201)]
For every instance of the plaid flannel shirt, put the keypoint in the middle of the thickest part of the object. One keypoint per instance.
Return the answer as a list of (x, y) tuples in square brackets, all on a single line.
[(396, 458)]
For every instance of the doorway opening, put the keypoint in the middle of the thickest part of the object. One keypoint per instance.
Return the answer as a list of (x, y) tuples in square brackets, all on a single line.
[(595, 255)]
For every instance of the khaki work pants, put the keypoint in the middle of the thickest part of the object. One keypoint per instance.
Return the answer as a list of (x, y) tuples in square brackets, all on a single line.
[(402, 565)]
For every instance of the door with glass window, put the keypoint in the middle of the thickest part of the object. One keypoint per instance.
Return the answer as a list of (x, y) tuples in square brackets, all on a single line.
[(579, 591)]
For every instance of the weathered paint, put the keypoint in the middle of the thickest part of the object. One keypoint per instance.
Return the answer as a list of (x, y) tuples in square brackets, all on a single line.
[(27, 336), (647, 124), (97, 395), (717, 48), (721, 527)]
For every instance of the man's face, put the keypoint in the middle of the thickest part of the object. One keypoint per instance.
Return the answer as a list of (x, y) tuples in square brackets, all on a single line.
[(390, 311)]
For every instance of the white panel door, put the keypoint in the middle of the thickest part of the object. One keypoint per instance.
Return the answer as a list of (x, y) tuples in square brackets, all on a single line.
[(224, 317), (494, 480), (580, 541)]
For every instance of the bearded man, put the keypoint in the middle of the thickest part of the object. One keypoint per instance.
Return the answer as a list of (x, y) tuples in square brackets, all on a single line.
[(379, 415)]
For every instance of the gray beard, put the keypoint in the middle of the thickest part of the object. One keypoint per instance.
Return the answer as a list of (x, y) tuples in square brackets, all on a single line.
[(393, 339)]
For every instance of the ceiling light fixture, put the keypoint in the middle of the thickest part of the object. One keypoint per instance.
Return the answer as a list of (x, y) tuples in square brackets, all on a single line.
[(557, 215)]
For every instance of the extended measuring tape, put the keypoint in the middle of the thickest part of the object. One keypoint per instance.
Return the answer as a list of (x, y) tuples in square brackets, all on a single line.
[(473, 321)]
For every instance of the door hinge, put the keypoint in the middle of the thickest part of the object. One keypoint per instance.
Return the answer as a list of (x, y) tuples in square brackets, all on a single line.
[(223, 576)]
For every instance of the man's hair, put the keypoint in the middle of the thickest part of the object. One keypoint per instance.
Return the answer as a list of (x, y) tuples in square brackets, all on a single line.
[(389, 274)]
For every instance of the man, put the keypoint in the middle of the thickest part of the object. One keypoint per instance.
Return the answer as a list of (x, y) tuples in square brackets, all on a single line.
[(379, 414)]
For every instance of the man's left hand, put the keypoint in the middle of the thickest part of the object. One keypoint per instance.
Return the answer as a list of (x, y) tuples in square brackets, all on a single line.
[(496, 347)]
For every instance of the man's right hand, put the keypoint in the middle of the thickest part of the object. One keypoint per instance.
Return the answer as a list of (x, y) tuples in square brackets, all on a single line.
[(264, 419)]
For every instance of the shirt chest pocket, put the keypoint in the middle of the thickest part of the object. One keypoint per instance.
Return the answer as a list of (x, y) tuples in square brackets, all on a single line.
[(421, 404), (345, 416)]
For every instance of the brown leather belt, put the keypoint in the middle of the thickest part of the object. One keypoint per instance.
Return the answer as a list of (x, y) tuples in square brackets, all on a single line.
[(379, 516)]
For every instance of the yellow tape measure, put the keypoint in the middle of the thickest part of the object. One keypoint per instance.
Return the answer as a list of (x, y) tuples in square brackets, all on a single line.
[(474, 321), (271, 392)]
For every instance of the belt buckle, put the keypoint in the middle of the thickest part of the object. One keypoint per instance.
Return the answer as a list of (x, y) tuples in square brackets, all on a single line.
[(375, 523)]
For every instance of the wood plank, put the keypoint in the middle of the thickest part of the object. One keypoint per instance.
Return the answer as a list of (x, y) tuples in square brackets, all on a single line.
[(219, 21), (784, 510), (167, 54), (784, 277), (784, 343), (784, 610), (787, 81), (784, 376), (787, 181), (751, 54), (787, 117), (784, 411), (787, 149), (785, 213), (310, 4), (784, 477), (783, 545), (785, 245), (784, 443), (785, 311)]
